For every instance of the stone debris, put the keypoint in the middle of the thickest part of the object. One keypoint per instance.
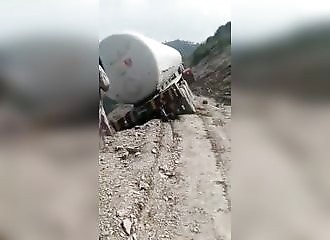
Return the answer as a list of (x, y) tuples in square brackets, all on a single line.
[(137, 154), (143, 185), (154, 151), (124, 155), (119, 148), (166, 172), (194, 228), (132, 150), (133, 237), (127, 226), (121, 213)]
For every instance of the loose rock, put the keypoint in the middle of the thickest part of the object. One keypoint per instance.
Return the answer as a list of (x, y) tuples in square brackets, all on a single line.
[(127, 226), (143, 185), (154, 151), (121, 213)]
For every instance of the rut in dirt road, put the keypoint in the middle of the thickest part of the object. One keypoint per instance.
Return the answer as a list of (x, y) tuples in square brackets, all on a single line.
[(218, 149), (168, 180), (205, 210)]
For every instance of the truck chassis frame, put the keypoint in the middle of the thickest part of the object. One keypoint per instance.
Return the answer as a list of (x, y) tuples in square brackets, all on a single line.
[(174, 100)]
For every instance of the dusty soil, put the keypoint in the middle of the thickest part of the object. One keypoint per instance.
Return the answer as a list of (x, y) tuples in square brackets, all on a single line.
[(213, 76), (168, 180)]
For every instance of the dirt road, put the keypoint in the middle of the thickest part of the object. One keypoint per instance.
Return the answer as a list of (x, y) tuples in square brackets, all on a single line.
[(168, 180)]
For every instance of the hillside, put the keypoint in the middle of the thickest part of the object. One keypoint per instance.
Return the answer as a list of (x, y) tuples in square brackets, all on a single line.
[(184, 47), (296, 64), (212, 71), (218, 42)]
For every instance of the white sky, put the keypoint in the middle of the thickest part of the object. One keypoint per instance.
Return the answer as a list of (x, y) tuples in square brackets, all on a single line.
[(265, 19), (25, 16), (192, 20)]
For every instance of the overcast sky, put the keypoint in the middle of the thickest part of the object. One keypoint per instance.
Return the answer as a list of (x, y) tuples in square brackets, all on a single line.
[(267, 19), (192, 20)]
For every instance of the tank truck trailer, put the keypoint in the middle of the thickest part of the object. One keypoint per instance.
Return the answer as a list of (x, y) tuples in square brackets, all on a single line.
[(147, 74)]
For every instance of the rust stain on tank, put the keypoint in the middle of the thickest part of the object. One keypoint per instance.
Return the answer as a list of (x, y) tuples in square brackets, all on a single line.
[(128, 62)]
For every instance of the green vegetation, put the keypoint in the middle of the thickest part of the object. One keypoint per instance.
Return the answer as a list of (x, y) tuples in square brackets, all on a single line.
[(218, 42)]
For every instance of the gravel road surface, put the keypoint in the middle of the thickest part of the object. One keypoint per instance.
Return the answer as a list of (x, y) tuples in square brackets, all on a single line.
[(168, 180)]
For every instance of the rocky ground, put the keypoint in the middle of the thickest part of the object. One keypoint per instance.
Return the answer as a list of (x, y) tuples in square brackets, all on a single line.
[(213, 76), (168, 180)]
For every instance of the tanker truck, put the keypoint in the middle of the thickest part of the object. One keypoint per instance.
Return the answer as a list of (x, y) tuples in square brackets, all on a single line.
[(147, 75)]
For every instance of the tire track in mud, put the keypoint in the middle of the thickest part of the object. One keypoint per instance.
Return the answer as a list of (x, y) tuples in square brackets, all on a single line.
[(151, 181), (218, 149), (160, 217), (203, 209)]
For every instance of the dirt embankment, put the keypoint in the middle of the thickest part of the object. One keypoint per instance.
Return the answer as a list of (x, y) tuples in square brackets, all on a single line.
[(213, 77)]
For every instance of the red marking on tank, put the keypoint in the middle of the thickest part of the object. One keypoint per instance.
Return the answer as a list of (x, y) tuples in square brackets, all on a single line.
[(128, 62), (187, 71)]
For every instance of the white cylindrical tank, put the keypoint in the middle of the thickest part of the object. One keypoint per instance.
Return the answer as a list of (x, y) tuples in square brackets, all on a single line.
[(136, 65)]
